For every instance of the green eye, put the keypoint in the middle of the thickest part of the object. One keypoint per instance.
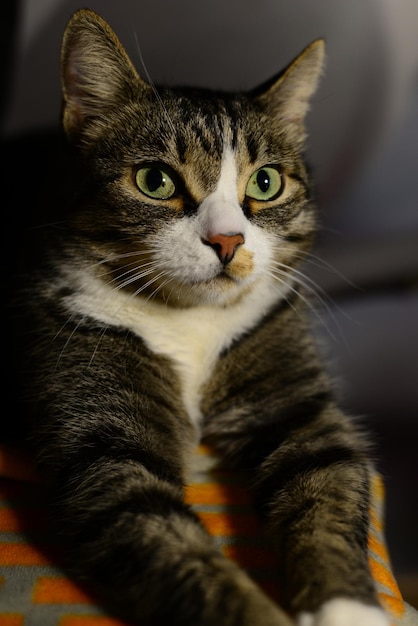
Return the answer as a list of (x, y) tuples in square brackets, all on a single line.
[(155, 182), (265, 184)]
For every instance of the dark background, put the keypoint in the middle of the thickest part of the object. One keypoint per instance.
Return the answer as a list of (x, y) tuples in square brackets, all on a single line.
[(363, 148)]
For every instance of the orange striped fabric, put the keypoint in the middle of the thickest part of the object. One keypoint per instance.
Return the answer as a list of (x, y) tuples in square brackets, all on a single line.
[(35, 589)]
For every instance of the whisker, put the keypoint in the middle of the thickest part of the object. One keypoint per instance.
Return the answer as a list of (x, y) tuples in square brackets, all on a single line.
[(326, 302), (277, 274), (160, 287), (285, 284), (116, 257), (317, 261), (325, 299), (67, 321), (309, 284), (147, 284), (153, 87), (76, 327), (134, 278), (138, 274), (102, 333)]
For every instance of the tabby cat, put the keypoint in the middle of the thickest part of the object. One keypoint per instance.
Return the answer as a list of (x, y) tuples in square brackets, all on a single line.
[(167, 309)]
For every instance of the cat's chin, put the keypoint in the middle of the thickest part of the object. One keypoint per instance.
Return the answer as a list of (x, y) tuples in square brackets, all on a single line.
[(222, 290)]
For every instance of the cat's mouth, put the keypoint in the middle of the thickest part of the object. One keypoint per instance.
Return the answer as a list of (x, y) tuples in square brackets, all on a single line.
[(231, 279), (220, 290), (241, 266), (227, 286), (223, 279), (239, 269), (223, 288)]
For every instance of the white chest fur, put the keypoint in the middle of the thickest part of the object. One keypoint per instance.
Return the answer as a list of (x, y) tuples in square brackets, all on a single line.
[(191, 338)]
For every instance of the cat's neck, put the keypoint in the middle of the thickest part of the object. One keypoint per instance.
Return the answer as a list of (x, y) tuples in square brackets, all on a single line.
[(191, 338)]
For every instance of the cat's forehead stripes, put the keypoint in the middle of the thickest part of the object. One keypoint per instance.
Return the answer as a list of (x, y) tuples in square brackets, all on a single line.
[(211, 120), (205, 115), (203, 135)]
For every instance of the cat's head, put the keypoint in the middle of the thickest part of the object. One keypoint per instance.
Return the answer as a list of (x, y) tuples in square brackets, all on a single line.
[(195, 196)]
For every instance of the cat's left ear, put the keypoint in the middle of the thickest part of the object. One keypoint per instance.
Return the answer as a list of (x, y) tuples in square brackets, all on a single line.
[(287, 96)]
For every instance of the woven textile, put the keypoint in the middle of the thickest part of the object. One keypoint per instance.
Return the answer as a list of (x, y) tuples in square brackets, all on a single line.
[(35, 591)]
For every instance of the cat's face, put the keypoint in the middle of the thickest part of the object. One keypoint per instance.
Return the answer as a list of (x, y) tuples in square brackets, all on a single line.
[(198, 196)]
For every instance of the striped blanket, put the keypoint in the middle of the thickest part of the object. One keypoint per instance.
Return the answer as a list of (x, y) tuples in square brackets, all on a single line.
[(34, 590)]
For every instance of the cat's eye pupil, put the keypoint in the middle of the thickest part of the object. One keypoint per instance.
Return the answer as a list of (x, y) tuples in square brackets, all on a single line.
[(265, 184), (155, 179), (155, 182), (263, 180)]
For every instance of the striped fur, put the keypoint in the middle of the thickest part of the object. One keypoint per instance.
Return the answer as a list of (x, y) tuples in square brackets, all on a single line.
[(33, 588), (145, 328)]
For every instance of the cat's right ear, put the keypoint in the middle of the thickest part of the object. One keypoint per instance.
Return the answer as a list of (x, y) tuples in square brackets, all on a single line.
[(96, 73)]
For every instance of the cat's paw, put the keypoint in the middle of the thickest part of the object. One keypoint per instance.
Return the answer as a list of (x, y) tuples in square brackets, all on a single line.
[(345, 612)]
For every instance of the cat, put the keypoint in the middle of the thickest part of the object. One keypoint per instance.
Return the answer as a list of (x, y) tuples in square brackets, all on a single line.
[(168, 308)]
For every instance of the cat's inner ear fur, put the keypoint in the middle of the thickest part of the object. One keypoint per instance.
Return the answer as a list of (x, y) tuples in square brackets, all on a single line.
[(287, 97), (97, 74)]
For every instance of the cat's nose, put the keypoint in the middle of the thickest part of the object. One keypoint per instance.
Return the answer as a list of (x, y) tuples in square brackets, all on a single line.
[(225, 245)]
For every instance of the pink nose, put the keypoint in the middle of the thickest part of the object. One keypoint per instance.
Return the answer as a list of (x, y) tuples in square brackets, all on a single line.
[(225, 245)]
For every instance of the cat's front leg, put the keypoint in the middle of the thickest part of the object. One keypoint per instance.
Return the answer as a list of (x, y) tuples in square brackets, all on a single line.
[(311, 477), (112, 441), (316, 496), (148, 555)]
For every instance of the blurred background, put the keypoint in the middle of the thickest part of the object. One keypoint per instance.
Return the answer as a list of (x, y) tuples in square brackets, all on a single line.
[(363, 148)]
